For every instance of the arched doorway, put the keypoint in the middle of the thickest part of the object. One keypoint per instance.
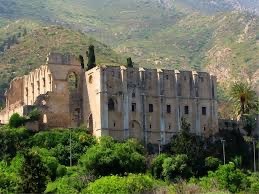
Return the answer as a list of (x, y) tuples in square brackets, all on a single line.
[(135, 130)]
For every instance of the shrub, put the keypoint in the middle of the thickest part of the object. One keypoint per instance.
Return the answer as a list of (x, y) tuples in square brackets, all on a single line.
[(34, 115), (254, 183), (108, 158), (176, 167), (58, 143), (12, 141), (212, 163), (157, 165), (231, 178), (61, 171), (127, 185), (170, 168), (16, 121)]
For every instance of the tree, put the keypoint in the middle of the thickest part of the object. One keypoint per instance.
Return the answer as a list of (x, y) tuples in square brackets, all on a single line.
[(243, 98), (176, 167), (16, 121), (82, 62), (129, 62), (109, 157), (33, 174), (91, 58)]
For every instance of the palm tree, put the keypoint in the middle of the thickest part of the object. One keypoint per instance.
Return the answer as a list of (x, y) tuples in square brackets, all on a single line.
[(244, 98)]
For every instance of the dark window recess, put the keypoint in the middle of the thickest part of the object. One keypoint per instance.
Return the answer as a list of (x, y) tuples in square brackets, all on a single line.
[(114, 124), (111, 105), (179, 90), (204, 110), (213, 91), (150, 126), (133, 95), (168, 108), (186, 110), (133, 107), (132, 126), (169, 127), (150, 107), (167, 76)]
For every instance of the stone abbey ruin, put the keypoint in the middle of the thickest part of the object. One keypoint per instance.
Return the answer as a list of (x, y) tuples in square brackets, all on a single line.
[(119, 101)]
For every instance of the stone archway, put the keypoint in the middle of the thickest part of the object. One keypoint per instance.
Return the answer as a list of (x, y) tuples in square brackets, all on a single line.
[(135, 130)]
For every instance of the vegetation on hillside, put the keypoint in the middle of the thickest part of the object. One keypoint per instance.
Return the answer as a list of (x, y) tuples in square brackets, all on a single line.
[(37, 162)]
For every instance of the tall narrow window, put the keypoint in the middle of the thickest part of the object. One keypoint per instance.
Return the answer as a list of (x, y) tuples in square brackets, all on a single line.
[(111, 105), (133, 107), (204, 111), (186, 110), (150, 107), (168, 108), (133, 95)]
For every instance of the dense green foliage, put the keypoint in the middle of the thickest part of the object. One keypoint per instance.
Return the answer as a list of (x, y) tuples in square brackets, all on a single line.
[(37, 162), (130, 184), (16, 121), (108, 158)]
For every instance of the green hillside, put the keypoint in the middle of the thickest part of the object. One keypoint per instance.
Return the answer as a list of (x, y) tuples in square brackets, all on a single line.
[(30, 49), (182, 34)]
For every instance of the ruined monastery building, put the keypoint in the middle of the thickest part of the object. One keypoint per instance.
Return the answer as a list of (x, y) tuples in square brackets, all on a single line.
[(121, 102)]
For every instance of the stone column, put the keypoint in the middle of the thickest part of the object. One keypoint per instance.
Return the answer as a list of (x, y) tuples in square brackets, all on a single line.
[(103, 102), (161, 105), (177, 82), (143, 104), (125, 102), (197, 116)]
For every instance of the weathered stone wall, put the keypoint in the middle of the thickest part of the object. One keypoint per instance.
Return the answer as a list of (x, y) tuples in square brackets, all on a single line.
[(148, 104)]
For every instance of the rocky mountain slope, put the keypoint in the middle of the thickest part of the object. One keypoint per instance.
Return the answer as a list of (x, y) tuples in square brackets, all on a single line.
[(216, 36)]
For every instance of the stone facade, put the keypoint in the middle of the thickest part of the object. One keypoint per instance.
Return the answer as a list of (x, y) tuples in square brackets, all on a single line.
[(147, 104)]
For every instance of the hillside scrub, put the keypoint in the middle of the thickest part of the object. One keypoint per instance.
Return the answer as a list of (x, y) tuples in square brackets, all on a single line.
[(109, 166)]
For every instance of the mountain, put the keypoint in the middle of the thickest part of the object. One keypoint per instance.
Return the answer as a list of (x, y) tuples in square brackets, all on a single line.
[(213, 6), (28, 44), (220, 36)]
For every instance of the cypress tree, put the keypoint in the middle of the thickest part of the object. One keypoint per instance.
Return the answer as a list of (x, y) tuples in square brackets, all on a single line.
[(91, 58), (129, 62), (81, 58)]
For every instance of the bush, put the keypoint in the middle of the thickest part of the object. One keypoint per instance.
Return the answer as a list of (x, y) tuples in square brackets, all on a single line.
[(254, 183), (212, 163), (157, 165), (58, 143), (231, 178), (108, 158), (16, 121), (170, 168), (12, 141), (61, 171), (176, 167), (127, 185), (34, 115)]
